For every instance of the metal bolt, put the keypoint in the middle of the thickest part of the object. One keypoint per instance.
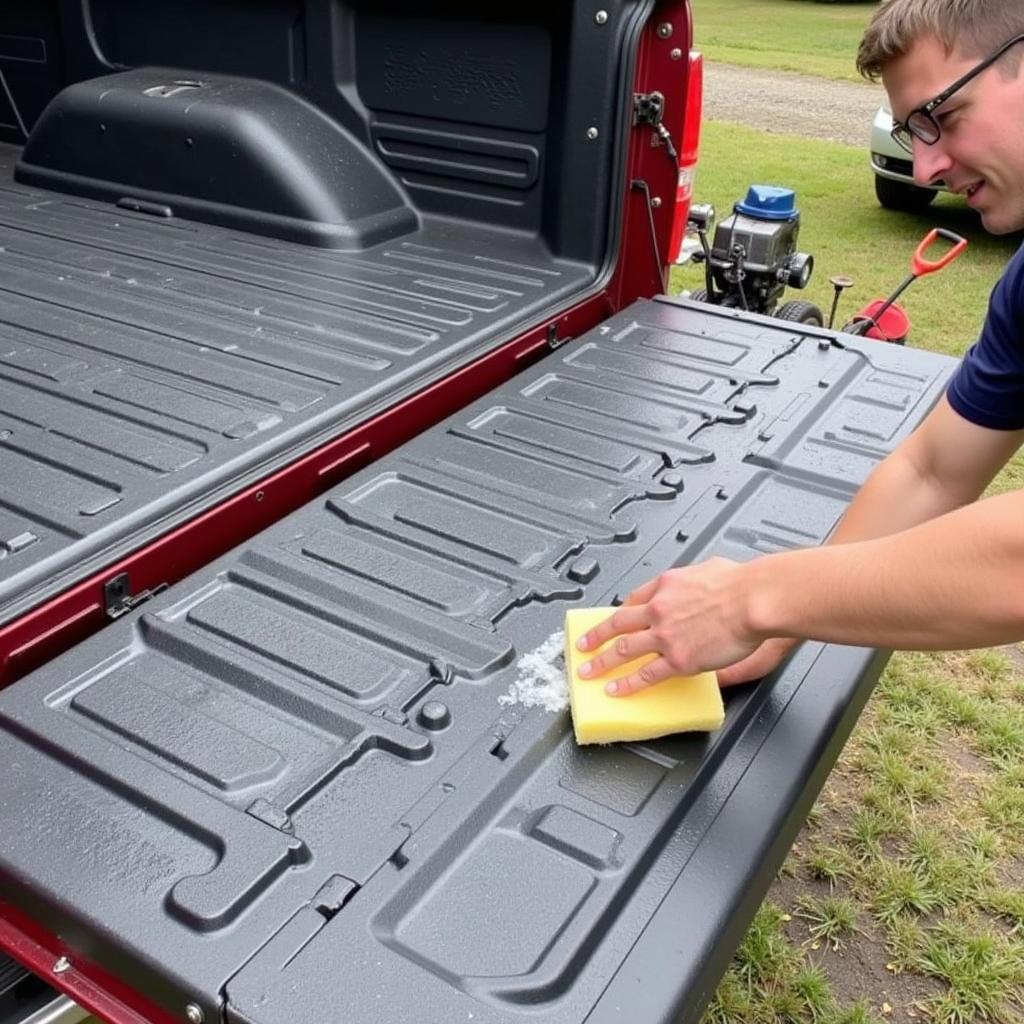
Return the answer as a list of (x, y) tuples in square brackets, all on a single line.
[(592, 133), (655, 201), (194, 1014), (61, 964), (676, 54), (601, 17), (665, 29)]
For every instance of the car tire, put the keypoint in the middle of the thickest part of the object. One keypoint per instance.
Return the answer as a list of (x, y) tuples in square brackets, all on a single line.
[(699, 295), (897, 195), (799, 311)]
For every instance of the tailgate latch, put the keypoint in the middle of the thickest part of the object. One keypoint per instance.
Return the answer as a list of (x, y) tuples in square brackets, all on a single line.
[(649, 108), (118, 598)]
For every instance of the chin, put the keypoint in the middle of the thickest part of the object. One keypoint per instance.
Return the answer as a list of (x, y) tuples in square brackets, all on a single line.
[(1000, 224)]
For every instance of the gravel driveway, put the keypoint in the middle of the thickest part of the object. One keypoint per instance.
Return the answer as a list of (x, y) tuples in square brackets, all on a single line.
[(791, 104)]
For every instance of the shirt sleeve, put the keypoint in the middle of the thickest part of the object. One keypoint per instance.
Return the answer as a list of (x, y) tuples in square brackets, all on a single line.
[(988, 388)]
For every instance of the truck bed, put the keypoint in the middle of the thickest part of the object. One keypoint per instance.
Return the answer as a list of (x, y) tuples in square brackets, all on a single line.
[(286, 789), (231, 235), (149, 366)]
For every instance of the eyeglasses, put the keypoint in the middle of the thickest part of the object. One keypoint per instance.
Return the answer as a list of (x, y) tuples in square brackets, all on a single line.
[(920, 124)]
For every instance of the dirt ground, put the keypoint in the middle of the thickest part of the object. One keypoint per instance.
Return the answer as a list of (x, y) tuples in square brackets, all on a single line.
[(790, 104)]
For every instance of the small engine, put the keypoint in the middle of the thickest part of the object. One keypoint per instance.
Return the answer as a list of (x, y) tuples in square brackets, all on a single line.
[(754, 255)]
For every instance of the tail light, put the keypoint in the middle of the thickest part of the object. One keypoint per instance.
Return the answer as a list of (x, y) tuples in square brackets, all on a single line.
[(688, 152)]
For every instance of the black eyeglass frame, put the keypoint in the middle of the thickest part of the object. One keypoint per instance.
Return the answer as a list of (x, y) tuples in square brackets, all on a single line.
[(904, 132)]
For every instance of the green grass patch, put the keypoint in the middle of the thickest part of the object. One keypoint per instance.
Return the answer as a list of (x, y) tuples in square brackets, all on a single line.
[(983, 842), (1003, 805), (1007, 904), (984, 972), (859, 1013), (847, 232), (784, 35), (770, 979), (900, 890), (868, 827), (829, 920), (829, 863), (1001, 737), (764, 953)]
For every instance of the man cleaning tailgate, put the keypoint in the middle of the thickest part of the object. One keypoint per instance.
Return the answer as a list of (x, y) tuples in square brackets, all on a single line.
[(920, 560)]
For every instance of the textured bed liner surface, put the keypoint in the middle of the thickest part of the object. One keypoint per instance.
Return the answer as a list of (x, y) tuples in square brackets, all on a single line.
[(286, 789), (147, 363)]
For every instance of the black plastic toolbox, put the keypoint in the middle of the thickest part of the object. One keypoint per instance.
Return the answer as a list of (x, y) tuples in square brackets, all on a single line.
[(285, 789)]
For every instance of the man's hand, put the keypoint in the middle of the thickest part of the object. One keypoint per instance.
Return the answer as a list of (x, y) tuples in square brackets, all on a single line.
[(765, 659), (695, 620)]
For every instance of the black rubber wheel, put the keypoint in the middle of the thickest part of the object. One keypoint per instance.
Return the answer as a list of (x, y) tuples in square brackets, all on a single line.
[(898, 195), (800, 311), (699, 294)]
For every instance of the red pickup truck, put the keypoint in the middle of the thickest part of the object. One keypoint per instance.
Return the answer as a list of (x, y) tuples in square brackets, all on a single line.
[(335, 364)]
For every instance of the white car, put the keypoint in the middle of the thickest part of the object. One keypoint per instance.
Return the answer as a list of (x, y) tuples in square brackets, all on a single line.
[(894, 170)]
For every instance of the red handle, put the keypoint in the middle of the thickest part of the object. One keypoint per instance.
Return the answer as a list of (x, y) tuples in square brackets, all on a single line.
[(921, 266)]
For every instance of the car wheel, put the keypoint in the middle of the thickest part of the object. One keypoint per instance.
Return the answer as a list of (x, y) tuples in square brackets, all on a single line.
[(798, 311), (897, 195)]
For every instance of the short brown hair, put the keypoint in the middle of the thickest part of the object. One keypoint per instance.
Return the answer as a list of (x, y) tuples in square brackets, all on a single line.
[(971, 27)]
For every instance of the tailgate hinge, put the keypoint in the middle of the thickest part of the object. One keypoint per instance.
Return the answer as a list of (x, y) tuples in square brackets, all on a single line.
[(118, 598)]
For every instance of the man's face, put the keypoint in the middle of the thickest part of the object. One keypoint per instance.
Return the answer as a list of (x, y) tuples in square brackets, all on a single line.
[(981, 150)]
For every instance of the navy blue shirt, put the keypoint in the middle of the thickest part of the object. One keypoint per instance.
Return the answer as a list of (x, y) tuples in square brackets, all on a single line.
[(988, 388)]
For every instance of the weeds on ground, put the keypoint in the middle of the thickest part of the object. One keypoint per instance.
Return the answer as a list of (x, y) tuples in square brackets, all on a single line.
[(919, 838), (829, 920), (984, 972), (829, 863)]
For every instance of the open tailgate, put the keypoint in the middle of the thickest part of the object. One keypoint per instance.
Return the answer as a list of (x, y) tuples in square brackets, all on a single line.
[(285, 789)]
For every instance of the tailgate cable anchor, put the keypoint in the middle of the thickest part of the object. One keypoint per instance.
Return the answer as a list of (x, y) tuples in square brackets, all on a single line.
[(553, 340), (641, 185), (118, 599), (649, 108)]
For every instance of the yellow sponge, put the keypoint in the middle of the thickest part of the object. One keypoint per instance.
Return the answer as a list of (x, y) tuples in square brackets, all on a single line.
[(679, 704)]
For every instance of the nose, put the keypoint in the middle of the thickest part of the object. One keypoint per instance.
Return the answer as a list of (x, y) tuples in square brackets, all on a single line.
[(931, 163)]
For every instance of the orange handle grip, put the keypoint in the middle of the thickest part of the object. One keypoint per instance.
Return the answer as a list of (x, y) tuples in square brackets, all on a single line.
[(922, 266)]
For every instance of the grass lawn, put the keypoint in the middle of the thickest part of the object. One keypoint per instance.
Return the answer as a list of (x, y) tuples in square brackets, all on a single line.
[(789, 35), (903, 899)]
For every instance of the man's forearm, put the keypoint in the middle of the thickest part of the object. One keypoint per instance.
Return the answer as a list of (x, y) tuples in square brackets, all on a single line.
[(953, 581), (895, 497)]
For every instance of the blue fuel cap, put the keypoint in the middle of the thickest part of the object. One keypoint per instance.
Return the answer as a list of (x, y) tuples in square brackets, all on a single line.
[(768, 202)]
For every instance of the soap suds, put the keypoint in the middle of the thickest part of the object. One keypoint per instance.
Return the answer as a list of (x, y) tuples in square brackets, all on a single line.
[(541, 681)]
